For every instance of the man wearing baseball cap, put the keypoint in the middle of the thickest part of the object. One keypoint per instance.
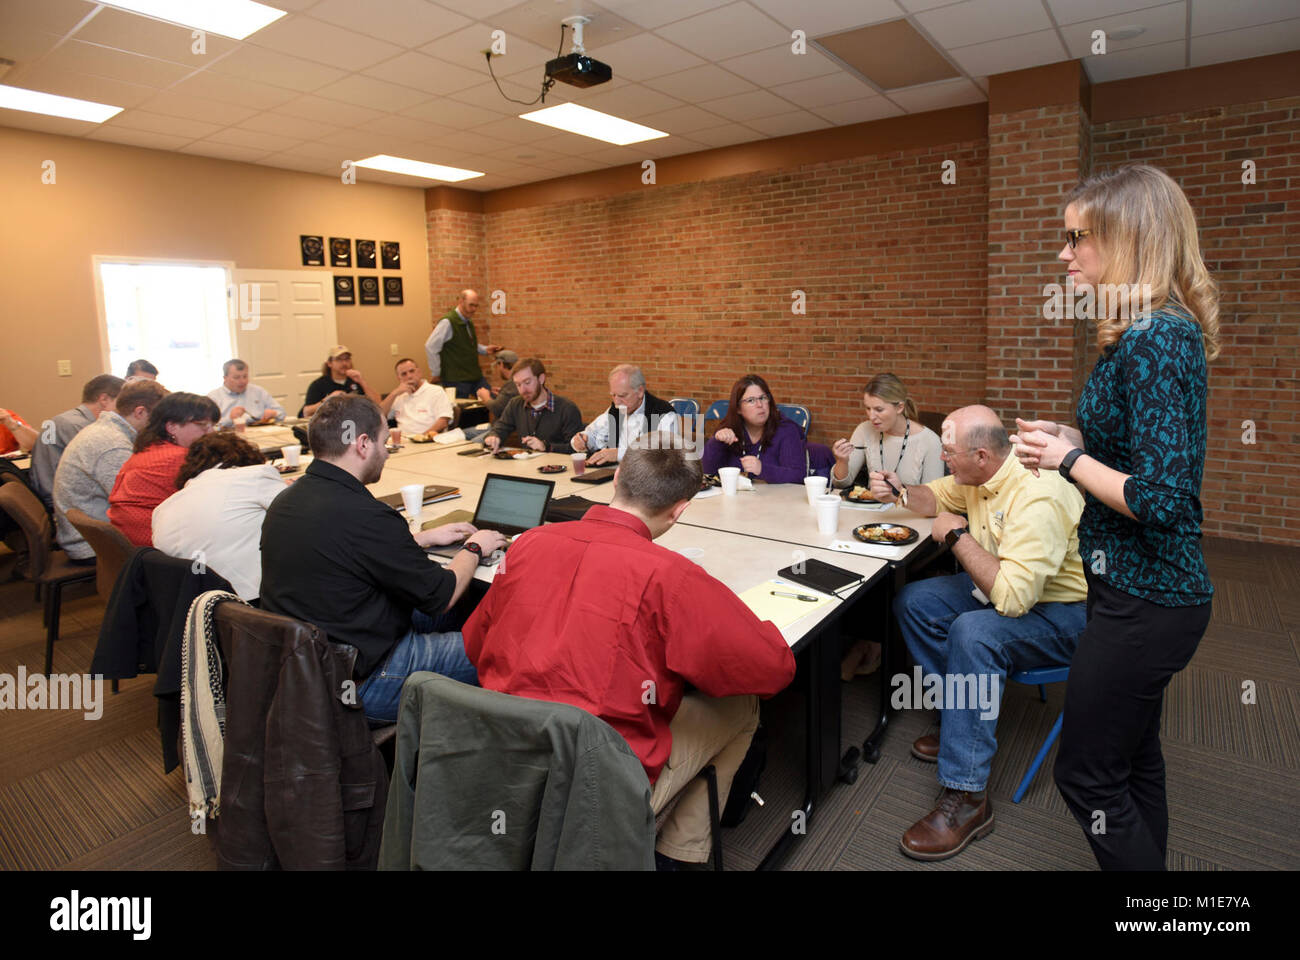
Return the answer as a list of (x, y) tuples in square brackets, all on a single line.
[(502, 364), (337, 376)]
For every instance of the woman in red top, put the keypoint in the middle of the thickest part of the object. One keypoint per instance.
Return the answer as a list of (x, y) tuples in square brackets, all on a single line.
[(149, 476)]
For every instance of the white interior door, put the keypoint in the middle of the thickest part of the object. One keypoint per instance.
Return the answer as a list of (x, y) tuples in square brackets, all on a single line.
[(284, 328)]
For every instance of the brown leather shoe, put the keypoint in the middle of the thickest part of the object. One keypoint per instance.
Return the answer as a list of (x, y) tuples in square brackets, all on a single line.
[(959, 818), (926, 748)]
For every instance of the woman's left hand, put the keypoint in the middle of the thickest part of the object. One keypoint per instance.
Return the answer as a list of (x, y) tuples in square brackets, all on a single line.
[(752, 465), (1038, 449)]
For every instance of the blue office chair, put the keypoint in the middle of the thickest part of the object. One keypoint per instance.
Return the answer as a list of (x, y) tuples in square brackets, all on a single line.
[(798, 413), (1040, 676), (818, 460), (717, 410), (685, 408)]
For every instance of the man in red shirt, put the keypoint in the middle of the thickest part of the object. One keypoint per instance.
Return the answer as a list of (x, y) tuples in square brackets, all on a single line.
[(594, 614)]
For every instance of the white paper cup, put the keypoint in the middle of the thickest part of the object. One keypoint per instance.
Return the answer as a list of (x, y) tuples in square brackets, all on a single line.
[(413, 499), (730, 477), (815, 487), (292, 454), (828, 514)]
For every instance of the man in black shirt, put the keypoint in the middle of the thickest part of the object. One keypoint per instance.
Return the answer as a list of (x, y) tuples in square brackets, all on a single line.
[(337, 377), (336, 557), (542, 420)]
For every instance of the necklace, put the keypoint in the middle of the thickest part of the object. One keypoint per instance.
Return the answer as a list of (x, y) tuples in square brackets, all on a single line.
[(906, 433)]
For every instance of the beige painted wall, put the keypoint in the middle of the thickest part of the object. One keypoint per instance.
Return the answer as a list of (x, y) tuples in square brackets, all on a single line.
[(126, 201)]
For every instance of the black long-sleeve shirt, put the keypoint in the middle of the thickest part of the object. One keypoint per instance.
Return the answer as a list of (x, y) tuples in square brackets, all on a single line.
[(336, 557)]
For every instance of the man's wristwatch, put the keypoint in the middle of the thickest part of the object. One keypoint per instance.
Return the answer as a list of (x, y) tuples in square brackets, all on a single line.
[(953, 536), (474, 548), (1068, 461)]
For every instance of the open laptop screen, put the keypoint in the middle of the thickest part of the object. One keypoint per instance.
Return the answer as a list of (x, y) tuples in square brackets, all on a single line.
[(512, 503)]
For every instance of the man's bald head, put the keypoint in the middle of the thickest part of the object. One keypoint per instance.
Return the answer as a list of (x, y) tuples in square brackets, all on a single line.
[(468, 296), (976, 427)]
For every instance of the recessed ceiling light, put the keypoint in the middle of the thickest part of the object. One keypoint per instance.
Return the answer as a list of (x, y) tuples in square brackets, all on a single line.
[(33, 101), (236, 19), (1127, 33), (586, 122), (417, 168)]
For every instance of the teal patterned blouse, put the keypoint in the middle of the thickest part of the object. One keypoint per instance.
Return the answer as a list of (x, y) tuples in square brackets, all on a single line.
[(1142, 413)]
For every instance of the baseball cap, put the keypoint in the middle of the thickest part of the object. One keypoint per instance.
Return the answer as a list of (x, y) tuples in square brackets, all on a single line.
[(508, 357), (338, 352)]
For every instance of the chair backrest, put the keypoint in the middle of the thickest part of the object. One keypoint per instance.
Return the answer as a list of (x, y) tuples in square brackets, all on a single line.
[(17, 500), (798, 413), (818, 459), (684, 407), (717, 410), (112, 548), (933, 420)]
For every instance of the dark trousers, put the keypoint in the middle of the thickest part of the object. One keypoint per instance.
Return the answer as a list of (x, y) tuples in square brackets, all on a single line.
[(1110, 769), (466, 389)]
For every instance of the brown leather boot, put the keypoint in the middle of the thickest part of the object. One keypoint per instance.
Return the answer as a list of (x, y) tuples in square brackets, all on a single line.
[(926, 748), (959, 818)]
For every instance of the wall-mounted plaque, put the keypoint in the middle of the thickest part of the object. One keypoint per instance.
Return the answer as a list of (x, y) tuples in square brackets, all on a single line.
[(340, 252), (345, 291), (365, 254), (392, 291), (368, 290), (313, 251), (392, 255)]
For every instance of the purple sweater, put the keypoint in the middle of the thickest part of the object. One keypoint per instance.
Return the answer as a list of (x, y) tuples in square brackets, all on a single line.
[(783, 459)]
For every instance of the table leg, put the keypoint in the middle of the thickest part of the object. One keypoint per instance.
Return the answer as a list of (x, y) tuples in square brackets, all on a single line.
[(813, 656), (892, 640)]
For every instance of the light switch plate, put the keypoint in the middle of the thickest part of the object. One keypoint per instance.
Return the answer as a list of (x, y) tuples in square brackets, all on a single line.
[(65, 368), (392, 348)]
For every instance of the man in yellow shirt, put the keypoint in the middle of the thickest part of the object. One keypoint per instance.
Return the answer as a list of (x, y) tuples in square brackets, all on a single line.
[(1020, 603)]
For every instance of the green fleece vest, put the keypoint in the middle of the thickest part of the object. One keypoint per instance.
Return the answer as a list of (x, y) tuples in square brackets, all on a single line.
[(460, 353)]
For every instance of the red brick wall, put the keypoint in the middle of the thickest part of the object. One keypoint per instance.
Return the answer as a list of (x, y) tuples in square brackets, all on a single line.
[(694, 282), (1248, 237), (456, 244)]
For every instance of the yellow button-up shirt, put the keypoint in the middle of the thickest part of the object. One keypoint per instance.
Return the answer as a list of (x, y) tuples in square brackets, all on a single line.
[(1031, 524)]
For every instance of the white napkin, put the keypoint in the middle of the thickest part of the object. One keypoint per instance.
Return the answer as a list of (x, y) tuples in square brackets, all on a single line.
[(450, 436), (868, 549)]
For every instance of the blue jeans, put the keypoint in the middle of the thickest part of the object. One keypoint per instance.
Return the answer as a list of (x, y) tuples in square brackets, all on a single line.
[(950, 633), (423, 648)]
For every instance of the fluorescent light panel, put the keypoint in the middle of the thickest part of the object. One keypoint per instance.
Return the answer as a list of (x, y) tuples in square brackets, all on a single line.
[(417, 168), (236, 19), (33, 101), (586, 122)]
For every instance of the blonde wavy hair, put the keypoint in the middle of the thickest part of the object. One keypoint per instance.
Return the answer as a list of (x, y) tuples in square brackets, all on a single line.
[(889, 388), (1146, 234)]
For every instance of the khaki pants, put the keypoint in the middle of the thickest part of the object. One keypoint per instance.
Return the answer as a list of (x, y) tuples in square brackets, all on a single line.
[(705, 731)]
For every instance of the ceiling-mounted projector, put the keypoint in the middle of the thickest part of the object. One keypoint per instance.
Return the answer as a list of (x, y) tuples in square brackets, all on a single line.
[(577, 69)]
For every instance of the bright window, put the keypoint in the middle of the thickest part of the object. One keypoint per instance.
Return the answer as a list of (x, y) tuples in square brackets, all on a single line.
[(173, 315)]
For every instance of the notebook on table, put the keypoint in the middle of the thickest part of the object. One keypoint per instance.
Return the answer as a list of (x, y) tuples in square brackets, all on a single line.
[(508, 505), (599, 475), (432, 494), (825, 577)]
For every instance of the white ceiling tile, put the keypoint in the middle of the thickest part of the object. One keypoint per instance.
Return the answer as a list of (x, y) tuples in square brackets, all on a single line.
[(570, 165), (153, 38), (466, 47), (674, 146), (407, 23), (1066, 12), (480, 9), (27, 46), (23, 120), (278, 69), (157, 123), (916, 6), (979, 21), (83, 87), (1241, 44), (645, 56), (289, 126), (706, 81), (48, 16), (175, 104), (323, 43), (234, 90), (487, 96), (77, 57), (746, 106), (449, 153), (1159, 58), (266, 142), (451, 113), (224, 151), (332, 112), (785, 124), (631, 101), (291, 161), (859, 111), (1225, 15), (321, 154), (538, 21), (937, 96), (425, 73), (139, 138), (726, 135), (652, 15), (820, 91), (569, 144), (360, 143), (681, 120), (777, 65), (511, 130), (408, 127), (369, 92), (1013, 53), (1163, 24), (726, 32), (829, 16)]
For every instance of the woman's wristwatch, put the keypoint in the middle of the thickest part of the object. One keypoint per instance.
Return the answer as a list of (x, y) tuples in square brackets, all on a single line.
[(1068, 461)]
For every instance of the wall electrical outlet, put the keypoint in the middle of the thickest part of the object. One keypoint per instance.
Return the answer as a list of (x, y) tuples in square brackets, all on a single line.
[(65, 368), (392, 348)]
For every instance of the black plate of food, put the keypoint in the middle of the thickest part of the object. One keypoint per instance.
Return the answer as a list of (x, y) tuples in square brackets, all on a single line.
[(710, 480), (552, 468), (886, 534), (859, 494), (504, 455)]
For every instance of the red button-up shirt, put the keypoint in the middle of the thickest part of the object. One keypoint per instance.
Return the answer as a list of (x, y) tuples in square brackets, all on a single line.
[(594, 614), (145, 480)]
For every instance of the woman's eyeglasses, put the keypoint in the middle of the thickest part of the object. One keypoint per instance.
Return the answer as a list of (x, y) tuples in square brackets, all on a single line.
[(755, 401), (1072, 237)]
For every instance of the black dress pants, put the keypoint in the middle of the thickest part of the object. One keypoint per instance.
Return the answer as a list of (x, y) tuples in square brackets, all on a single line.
[(1110, 769)]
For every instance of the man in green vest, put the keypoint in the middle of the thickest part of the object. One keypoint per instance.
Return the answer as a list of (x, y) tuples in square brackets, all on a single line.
[(453, 350)]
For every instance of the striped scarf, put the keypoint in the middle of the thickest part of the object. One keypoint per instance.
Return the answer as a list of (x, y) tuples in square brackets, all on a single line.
[(203, 704)]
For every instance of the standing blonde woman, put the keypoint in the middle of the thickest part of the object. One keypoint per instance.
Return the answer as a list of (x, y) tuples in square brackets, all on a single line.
[(1138, 454)]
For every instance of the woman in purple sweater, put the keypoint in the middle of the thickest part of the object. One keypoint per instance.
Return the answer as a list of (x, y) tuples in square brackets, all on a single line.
[(755, 437)]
